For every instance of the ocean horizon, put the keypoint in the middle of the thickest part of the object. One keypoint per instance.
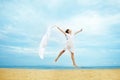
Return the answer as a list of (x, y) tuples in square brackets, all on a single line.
[(61, 67)]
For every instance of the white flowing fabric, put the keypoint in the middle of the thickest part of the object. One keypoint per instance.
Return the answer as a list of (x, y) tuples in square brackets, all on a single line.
[(44, 42)]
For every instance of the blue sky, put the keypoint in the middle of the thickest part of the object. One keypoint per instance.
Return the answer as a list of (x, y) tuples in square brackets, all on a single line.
[(24, 22)]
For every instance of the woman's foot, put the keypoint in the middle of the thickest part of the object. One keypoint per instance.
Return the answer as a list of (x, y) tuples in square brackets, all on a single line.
[(75, 65), (55, 60)]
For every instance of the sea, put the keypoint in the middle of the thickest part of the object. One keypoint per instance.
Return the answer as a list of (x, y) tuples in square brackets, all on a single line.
[(61, 67)]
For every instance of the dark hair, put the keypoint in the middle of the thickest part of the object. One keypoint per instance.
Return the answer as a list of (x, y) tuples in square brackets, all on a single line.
[(67, 30)]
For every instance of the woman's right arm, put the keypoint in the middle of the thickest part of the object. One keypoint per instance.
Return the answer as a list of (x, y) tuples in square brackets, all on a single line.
[(61, 30)]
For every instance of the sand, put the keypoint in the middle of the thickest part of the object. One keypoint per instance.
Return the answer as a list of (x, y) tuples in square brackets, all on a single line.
[(75, 74)]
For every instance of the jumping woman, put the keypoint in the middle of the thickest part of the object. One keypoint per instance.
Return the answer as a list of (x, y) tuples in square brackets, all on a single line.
[(69, 44)]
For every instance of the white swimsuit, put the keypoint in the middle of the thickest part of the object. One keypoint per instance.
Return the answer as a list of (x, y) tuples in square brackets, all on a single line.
[(69, 42)]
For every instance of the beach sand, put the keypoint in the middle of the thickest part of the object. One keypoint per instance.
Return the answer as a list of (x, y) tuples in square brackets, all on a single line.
[(74, 74)]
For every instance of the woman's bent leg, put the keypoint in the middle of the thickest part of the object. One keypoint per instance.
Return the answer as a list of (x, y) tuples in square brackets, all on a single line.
[(59, 55)]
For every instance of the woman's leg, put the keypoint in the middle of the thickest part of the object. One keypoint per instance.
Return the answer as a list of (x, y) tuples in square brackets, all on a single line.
[(73, 60), (59, 55)]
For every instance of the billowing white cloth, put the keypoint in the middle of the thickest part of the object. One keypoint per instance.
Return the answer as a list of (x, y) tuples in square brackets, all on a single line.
[(44, 42)]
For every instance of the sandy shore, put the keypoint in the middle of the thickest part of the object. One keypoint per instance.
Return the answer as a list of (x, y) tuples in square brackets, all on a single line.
[(77, 74)]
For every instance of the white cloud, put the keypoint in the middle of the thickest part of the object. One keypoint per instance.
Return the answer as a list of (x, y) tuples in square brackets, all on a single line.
[(88, 2), (27, 14), (51, 4), (112, 19), (92, 24), (98, 2), (91, 21), (18, 49), (9, 31), (114, 2), (2, 36)]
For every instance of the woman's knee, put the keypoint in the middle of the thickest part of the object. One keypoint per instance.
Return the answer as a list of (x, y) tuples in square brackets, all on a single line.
[(63, 51), (72, 53)]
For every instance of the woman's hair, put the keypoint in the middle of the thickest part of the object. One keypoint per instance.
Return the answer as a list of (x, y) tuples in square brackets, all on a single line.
[(67, 31)]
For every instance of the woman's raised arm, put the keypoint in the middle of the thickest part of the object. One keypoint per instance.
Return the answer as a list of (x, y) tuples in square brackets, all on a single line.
[(61, 30), (78, 31)]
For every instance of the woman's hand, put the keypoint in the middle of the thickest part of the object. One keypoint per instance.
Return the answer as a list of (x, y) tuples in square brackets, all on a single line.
[(78, 31), (55, 26), (81, 30)]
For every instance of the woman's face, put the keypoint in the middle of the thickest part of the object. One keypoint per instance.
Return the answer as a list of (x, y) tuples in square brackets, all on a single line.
[(69, 31)]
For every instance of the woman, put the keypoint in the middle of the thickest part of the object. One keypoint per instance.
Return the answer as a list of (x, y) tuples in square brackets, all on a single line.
[(69, 44)]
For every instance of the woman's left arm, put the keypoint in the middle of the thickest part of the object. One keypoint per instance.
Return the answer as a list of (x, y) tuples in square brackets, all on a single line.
[(78, 31)]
